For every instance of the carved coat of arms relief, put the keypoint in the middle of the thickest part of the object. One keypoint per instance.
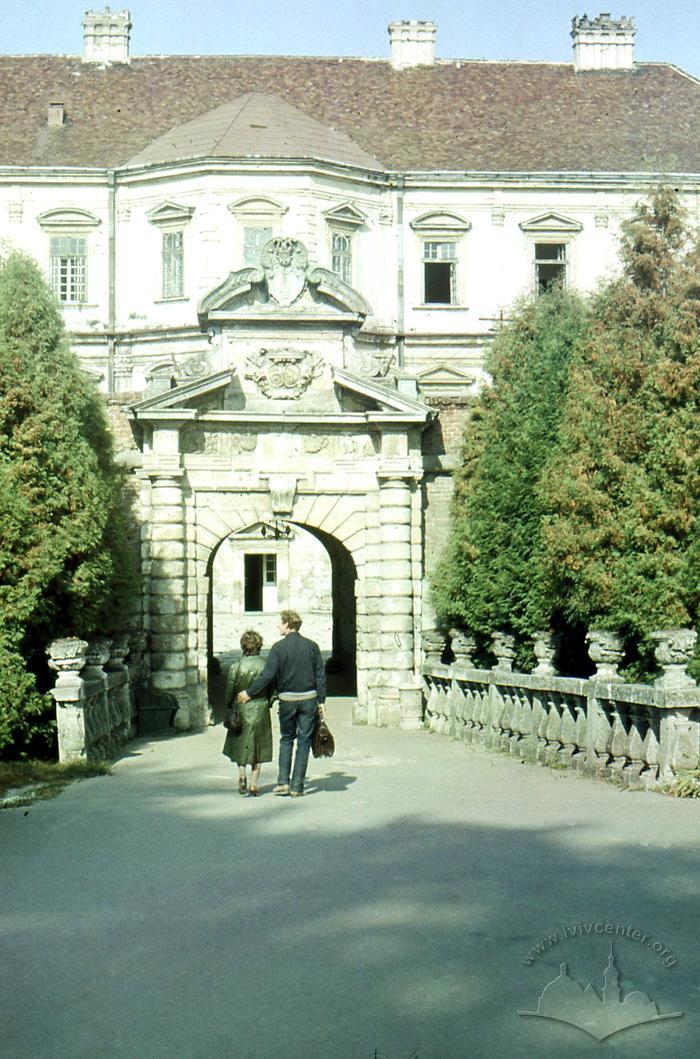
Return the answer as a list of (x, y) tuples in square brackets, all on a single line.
[(284, 262), (283, 373)]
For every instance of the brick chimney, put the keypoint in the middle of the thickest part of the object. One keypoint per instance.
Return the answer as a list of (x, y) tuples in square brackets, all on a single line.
[(412, 44), (603, 43), (106, 36)]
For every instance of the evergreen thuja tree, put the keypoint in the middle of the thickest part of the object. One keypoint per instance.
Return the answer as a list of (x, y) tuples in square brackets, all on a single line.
[(491, 575), (66, 565), (623, 489)]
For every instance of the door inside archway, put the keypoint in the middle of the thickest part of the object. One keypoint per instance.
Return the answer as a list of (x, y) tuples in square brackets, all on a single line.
[(270, 566)]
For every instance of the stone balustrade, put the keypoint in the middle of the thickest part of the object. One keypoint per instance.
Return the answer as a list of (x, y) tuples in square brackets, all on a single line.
[(638, 735), (94, 695)]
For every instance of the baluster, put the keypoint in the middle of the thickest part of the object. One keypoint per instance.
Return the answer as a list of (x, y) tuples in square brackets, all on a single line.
[(579, 758), (504, 732), (553, 729), (650, 773), (568, 731), (618, 743)]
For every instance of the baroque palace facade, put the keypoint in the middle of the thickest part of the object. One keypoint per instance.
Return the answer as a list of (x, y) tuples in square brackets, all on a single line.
[(283, 273)]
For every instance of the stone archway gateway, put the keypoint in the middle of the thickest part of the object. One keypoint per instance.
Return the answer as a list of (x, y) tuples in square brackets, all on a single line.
[(290, 419)]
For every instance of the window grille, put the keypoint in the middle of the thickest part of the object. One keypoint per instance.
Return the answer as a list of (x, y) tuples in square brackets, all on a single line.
[(69, 268), (173, 265)]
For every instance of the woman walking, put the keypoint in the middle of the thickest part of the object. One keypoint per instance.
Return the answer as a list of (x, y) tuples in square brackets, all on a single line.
[(253, 745)]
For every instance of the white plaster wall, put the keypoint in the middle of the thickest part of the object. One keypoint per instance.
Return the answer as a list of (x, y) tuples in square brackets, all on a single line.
[(495, 266), (303, 584)]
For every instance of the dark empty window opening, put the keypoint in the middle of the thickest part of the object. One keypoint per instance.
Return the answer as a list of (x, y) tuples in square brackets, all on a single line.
[(550, 265), (259, 571), (253, 588), (439, 270)]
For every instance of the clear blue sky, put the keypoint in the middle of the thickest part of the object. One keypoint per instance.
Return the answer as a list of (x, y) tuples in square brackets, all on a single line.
[(469, 29)]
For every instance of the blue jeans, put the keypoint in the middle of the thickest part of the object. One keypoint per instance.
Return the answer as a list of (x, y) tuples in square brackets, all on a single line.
[(297, 721)]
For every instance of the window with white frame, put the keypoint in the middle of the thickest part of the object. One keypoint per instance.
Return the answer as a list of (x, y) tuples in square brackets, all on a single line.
[(173, 264), (254, 239), (341, 255), (439, 272), (171, 218), (551, 237), (344, 220), (68, 266), (68, 230), (270, 569), (441, 257)]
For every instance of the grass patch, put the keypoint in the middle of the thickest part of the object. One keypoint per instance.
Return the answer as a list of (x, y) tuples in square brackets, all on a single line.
[(45, 779), (685, 785)]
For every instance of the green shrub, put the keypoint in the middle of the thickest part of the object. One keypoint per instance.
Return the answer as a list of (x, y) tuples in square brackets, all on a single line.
[(66, 563)]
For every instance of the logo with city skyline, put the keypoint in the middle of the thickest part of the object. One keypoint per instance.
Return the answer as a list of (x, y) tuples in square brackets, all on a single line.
[(600, 1016)]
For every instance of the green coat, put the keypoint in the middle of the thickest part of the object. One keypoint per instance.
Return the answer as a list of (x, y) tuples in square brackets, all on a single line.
[(254, 744)]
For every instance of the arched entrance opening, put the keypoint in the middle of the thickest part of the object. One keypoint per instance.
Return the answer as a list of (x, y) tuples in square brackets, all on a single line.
[(268, 566)]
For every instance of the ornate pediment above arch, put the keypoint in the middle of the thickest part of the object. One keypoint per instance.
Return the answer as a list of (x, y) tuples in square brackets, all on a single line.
[(282, 283), (352, 399)]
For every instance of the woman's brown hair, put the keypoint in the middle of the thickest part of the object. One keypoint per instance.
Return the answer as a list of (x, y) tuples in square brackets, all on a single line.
[(251, 642)]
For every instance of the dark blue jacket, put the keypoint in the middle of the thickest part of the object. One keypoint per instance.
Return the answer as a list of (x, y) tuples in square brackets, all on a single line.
[(293, 664)]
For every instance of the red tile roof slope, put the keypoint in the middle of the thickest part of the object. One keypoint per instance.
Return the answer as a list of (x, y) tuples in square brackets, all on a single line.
[(473, 116)]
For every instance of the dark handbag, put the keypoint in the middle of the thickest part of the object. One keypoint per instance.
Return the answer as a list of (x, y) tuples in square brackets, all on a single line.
[(233, 720), (323, 743)]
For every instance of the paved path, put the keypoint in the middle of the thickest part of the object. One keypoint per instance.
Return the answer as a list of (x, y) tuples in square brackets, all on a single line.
[(156, 913)]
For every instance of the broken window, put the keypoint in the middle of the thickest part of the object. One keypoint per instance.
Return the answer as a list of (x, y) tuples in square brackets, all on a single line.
[(440, 273), (550, 265)]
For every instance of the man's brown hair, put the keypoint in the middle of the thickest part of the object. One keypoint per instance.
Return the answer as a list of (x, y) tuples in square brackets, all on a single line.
[(291, 619)]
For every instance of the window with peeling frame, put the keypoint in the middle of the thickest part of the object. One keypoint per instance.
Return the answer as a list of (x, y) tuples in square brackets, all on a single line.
[(550, 265), (439, 273)]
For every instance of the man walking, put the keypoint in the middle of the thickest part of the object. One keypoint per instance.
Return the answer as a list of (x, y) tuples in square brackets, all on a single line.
[(294, 665)]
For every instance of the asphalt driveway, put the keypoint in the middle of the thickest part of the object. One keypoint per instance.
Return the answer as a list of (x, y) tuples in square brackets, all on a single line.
[(396, 910)]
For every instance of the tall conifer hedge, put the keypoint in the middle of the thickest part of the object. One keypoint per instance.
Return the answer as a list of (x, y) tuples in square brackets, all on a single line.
[(578, 501), (491, 576), (66, 559), (623, 489)]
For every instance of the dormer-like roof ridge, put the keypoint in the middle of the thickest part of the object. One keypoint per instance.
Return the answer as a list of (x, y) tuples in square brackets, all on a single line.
[(255, 125)]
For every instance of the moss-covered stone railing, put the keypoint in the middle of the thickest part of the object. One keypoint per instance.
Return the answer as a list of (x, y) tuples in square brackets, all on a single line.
[(638, 735)]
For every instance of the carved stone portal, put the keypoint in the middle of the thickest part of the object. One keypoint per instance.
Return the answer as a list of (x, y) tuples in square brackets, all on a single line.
[(283, 373)]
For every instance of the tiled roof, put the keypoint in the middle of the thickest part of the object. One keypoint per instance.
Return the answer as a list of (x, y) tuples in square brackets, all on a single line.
[(255, 126), (474, 116)]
